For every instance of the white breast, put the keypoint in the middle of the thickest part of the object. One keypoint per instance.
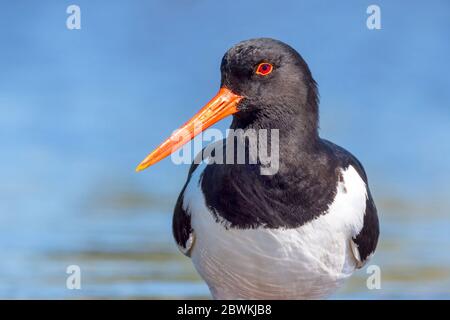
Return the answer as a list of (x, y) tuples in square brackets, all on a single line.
[(303, 263)]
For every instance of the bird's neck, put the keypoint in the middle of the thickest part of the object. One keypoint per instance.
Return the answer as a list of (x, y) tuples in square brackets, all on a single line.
[(297, 127)]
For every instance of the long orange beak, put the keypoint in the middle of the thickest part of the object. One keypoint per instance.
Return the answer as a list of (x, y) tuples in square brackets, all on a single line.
[(222, 105)]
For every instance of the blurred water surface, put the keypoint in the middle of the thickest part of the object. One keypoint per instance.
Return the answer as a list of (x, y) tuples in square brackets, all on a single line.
[(79, 110)]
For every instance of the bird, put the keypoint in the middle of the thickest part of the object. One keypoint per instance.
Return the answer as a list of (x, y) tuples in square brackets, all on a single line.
[(296, 234)]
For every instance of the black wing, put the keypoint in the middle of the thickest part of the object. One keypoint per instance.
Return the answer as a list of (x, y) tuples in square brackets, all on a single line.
[(366, 240), (181, 222)]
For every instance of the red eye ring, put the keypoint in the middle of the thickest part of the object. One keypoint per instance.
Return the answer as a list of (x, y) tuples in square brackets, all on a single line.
[(264, 69)]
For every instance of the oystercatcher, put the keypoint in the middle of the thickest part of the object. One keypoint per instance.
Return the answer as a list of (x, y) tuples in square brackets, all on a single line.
[(295, 234)]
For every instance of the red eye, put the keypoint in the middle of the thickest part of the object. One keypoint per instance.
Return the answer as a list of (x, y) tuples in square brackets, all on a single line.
[(264, 69)]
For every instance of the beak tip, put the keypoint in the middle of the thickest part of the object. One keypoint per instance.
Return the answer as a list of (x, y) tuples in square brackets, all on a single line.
[(139, 168)]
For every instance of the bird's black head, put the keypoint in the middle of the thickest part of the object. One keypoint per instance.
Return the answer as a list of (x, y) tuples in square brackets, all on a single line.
[(274, 80), (266, 84)]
